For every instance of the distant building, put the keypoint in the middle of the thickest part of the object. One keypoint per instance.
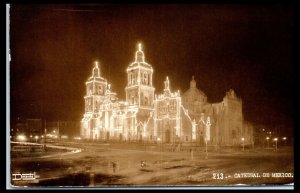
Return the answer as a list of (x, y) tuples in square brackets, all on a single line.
[(167, 117), (36, 127), (27, 127), (63, 128), (20, 128)]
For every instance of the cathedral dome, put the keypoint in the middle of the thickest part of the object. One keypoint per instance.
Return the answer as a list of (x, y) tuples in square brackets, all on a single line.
[(193, 94)]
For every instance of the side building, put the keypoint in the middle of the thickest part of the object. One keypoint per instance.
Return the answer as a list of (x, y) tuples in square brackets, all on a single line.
[(228, 127)]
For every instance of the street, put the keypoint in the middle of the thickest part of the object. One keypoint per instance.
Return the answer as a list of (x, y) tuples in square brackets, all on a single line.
[(122, 164)]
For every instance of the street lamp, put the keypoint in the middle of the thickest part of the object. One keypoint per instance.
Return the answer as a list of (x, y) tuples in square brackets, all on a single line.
[(158, 139), (243, 139), (21, 137), (284, 139), (267, 138), (36, 138), (275, 139)]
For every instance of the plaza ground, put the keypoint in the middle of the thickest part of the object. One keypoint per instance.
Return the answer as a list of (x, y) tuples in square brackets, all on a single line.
[(104, 164)]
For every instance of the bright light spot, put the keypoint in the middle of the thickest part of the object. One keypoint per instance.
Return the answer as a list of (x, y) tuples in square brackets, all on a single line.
[(77, 138), (267, 138), (243, 138), (64, 137), (54, 131), (158, 139), (284, 138), (36, 137), (21, 137), (275, 139), (30, 136), (42, 136)]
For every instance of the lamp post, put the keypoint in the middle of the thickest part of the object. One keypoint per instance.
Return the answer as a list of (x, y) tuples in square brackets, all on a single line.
[(45, 134), (243, 139), (284, 139), (174, 139), (275, 139), (36, 138), (267, 138), (206, 153)]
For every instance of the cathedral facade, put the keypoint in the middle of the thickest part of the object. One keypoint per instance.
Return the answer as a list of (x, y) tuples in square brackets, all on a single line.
[(165, 118)]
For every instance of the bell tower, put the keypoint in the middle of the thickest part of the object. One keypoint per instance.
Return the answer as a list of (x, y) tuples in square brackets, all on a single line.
[(95, 90), (139, 89), (95, 95)]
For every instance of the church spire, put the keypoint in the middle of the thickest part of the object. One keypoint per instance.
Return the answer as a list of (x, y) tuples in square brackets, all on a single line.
[(139, 55), (167, 84), (96, 71)]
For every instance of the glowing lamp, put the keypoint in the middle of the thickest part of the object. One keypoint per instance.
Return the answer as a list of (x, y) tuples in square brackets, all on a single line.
[(21, 137)]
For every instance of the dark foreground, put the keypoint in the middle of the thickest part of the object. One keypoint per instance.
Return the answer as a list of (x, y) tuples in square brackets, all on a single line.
[(119, 164)]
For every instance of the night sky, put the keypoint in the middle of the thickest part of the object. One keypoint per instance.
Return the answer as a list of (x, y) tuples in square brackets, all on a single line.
[(248, 48)]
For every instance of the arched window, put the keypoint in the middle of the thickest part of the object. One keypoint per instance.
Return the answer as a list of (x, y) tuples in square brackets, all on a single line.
[(132, 79), (145, 78), (142, 77), (135, 78)]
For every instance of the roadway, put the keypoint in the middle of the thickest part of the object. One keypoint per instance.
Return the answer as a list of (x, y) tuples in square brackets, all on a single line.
[(120, 164)]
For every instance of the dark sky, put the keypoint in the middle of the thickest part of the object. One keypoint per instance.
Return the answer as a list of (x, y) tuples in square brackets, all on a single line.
[(248, 48)]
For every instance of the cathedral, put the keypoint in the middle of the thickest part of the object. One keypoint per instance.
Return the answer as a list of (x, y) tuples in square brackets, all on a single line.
[(167, 117)]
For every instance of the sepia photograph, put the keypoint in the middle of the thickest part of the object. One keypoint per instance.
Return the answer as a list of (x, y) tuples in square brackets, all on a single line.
[(129, 96)]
